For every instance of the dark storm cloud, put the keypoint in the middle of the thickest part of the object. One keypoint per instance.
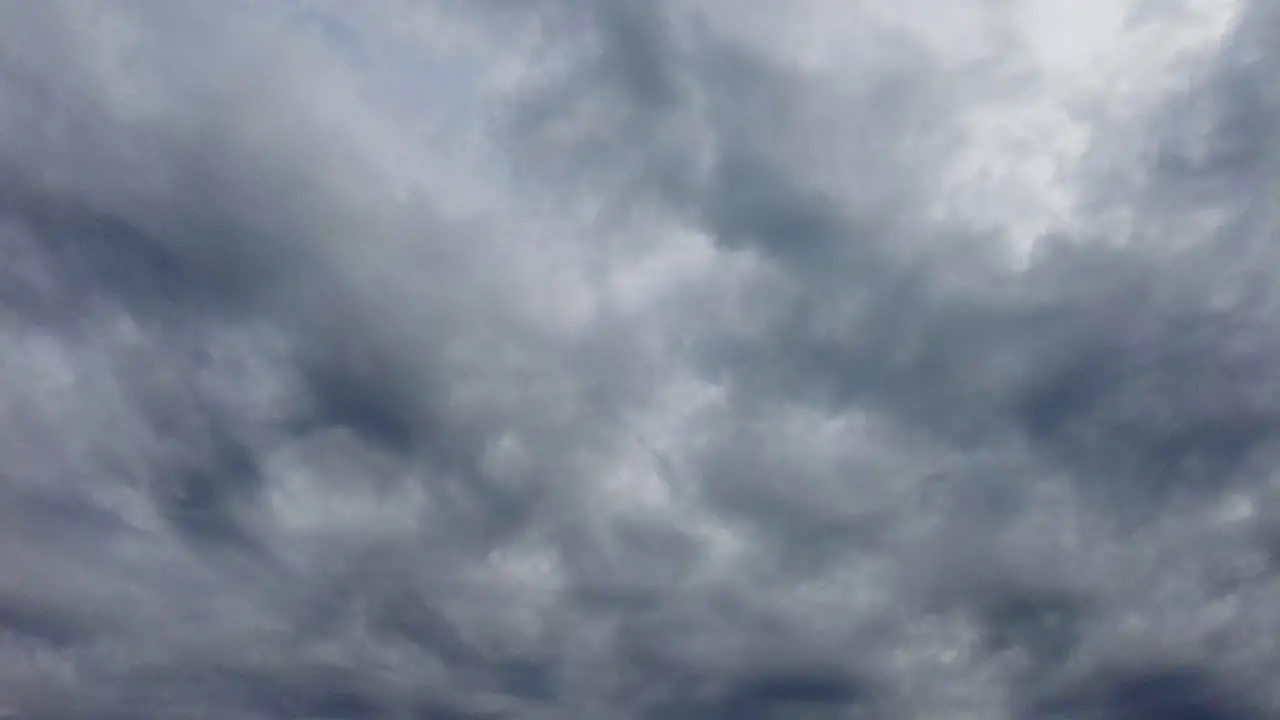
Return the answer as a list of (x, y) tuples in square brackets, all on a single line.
[(1176, 692), (306, 412)]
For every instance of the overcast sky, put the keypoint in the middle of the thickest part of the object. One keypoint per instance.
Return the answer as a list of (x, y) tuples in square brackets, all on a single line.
[(639, 359)]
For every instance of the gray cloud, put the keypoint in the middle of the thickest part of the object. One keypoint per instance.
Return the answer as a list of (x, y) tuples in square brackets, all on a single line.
[(651, 383)]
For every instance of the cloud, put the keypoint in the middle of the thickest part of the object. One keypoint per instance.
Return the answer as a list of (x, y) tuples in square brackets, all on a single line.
[(636, 359)]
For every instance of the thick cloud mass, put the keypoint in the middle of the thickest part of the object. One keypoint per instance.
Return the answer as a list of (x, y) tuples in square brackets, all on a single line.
[(698, 359)]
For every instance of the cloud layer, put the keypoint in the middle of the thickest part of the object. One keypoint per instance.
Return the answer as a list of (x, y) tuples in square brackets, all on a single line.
[(696, 359)]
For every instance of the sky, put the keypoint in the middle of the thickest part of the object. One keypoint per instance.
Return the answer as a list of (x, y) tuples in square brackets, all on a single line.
[(687, 359)]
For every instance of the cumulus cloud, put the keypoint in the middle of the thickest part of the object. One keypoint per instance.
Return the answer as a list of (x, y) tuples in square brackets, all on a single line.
[(674, 359)]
